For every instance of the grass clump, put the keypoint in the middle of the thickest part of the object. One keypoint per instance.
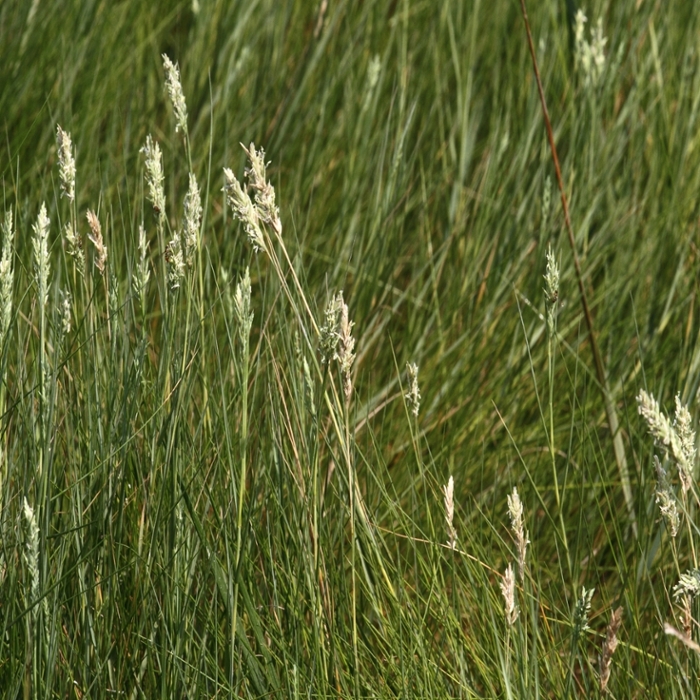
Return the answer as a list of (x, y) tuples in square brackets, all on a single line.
[(222, 472)]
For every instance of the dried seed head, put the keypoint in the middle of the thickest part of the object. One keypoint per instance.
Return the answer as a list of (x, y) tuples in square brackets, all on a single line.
[(609, 646), (449, 492), (666, 498), (142, 272), (508, 590), (154, 177), (193, 220), (688, 584), (74, 246), (97, 241), (515, 510), (264, 191), (330, 329), (7, 276), (31, 552), (346, 345), (681, 450), (242, 308), (176, 262), (66, 163), (40, 244), (65, 312), (243, 209), (177, 97), (412, 396)]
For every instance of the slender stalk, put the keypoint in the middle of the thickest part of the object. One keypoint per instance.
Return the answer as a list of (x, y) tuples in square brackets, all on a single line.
[(613, 423)]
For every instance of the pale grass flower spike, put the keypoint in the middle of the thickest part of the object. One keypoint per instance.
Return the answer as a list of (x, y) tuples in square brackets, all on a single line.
[(346, 345), (413, 396), (7, 276), (449, 493), (666, 499), (609, 646), (40, 244), (154, 177), (66, 163), (75, 247), (242, 307), (177, 96), (97, 241), (508, 590), (515, 510), (328, 342), (243, 209), (679, 445), (264, 191), (193, 220)]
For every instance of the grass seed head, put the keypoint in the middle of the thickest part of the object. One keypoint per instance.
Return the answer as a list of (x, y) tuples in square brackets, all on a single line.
[(177, 96), (97, 241), (688, 584), (41, 254), (244, 209), (609, 646), (413, 396), (242, 307), (582, 611), (346, 345), (515, 510), (264, 191), (449, 493), (7, 276), (66, 163), (330, 329), (193, 220), (154, 177), (508, 590)]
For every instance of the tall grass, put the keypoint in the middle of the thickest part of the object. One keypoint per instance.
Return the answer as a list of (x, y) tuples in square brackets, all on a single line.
[(312, 420)]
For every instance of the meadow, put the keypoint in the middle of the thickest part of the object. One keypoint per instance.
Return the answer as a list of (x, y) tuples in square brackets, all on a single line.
[(313, 384)]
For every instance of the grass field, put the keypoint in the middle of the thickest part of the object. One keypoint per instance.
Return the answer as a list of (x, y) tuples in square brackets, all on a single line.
[(326, 420)]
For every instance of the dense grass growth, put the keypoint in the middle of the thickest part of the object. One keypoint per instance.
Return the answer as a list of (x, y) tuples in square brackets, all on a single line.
[(215, 477)]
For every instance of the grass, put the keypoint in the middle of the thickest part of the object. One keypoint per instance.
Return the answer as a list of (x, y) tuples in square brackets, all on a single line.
[(207, 490)]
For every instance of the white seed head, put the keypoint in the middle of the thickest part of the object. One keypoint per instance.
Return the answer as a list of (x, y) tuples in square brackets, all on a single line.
[(413, 396), (154, 177), (688, 584), (66, 163), (551, 279), (589, 57), (193, 220), (40, 244), (74, 245), (143, 273), (31, 552), (449, 494), (508, 590), (96, 238), (330, 329), (681, 450), (176, 262), (65, 312), (666, 499), (346, 345), (515, 510), (243, 209), (242, 307), (264, 191), (177, 97), (7, 276)]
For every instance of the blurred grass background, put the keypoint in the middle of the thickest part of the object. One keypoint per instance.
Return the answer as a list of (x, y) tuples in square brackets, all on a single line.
[(409, 159)]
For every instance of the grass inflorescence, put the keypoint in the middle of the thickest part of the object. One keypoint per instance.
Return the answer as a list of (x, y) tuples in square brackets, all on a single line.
[(312, 387)]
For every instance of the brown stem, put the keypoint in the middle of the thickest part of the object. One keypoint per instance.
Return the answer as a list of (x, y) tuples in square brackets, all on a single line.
[(611, 414)]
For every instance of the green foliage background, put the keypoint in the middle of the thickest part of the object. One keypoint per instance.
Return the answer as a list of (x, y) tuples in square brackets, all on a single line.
[(420, 196)]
